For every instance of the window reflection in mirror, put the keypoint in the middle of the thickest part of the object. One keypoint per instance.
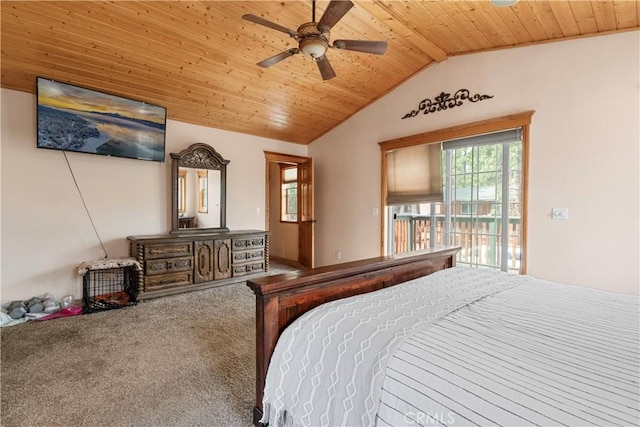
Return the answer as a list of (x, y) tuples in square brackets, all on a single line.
[(203, 191), (182, 191)]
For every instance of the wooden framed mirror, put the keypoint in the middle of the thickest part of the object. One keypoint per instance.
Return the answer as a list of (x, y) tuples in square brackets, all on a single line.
[(189, 168)]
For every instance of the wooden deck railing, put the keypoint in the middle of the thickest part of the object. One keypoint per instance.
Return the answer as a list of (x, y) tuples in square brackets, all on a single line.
[(479, 237)]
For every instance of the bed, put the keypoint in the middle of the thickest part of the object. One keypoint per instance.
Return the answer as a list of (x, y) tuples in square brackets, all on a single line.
[(414, 340)]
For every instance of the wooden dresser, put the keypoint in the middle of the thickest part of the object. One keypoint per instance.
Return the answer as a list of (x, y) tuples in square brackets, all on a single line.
[(175, 263)]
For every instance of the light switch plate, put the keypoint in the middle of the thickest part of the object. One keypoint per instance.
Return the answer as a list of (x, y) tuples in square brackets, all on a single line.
[(560, 213)]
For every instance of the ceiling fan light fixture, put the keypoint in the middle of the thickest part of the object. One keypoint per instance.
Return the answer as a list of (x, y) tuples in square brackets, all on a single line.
[(313, 46), (313, 38), (503, 3)]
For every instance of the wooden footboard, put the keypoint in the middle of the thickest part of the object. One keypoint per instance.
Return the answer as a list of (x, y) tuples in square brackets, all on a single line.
[(283, 298)]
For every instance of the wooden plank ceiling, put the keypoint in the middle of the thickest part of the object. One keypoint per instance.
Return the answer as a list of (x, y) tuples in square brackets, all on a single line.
[(198, 58)]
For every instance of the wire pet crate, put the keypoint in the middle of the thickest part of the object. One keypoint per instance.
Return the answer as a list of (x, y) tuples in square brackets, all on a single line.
[(109, 284)]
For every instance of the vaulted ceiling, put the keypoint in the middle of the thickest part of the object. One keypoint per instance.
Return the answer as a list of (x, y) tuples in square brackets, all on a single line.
[(198, 58)]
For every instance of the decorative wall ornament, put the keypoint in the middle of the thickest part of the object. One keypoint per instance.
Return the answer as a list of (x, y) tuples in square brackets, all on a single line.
[(445, 101)]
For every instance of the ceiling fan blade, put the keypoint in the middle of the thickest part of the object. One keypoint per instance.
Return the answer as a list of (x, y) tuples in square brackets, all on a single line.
[(272, 25), (326, 70), (334, 12), (367, 46), (277, 58)]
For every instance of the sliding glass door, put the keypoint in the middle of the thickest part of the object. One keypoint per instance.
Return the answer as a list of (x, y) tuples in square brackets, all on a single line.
[(482, 207)]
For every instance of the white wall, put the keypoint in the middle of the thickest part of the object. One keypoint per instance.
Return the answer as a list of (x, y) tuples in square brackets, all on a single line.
[(46, 232), (584, 154)]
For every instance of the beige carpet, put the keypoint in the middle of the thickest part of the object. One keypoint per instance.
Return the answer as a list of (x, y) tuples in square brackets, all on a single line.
[(185, 360)]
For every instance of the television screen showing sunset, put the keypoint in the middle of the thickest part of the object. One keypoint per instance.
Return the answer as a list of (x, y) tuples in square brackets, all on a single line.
[(77, 119)]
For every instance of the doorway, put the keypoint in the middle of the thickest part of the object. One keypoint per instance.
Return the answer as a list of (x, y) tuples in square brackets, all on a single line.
[(289, 208)]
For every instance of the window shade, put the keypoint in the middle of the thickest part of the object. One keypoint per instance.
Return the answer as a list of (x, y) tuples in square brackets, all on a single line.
[(510, 135), (414, 175)]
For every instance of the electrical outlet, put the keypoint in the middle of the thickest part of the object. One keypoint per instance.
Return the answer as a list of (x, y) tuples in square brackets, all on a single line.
[(560, 213), (259, 211), (375, 211), (338, 255)]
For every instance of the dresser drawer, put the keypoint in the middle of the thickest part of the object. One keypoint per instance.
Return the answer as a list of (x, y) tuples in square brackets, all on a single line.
[(168, 265), (167, 250), (248, 243), (241, 270), (163, 281), (248, 256)]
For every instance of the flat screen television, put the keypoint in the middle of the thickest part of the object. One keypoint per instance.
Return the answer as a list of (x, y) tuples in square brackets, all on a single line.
[(73, 118)]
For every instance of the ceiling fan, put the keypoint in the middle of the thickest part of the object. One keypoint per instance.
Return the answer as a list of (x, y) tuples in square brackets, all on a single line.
[(313, 38)]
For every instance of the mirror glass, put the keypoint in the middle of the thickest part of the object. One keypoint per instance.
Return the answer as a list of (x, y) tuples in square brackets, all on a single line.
[(199, 190), (198, 198)]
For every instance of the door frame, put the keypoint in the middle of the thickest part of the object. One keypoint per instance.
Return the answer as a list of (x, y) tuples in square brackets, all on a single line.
[(273, 157)]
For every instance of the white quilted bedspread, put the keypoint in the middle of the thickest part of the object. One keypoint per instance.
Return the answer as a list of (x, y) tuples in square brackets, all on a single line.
[(331, 362)]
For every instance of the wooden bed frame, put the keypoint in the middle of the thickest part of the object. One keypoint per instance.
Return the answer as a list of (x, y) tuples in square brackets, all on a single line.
[(282, 298)]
